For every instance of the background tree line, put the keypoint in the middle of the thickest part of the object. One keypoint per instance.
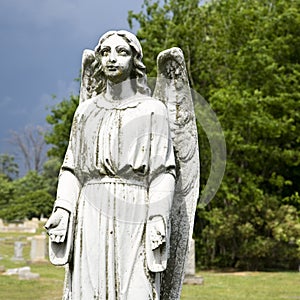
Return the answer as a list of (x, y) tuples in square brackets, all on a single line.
[(243, 58)]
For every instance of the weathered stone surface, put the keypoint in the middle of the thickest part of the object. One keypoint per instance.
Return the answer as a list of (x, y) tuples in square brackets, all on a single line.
[(17, 271), (24, 273), (29, 276), (18, 251), (190, 268), (38, 248), (121, 183), (28, 226), (193, 280)]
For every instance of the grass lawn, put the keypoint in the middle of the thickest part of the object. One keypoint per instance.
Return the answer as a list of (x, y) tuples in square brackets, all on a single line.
[(47, 287), (217, 286), (245, 286)]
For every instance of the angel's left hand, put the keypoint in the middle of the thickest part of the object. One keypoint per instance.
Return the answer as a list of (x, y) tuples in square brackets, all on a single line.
[(157, 232)]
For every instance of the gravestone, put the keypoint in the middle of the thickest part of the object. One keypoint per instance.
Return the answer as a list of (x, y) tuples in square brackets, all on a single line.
[(38, 248), (17, 271), (190, 269), (28, 275), (24, 273), (31, 225), (18, 251), (1, 239)]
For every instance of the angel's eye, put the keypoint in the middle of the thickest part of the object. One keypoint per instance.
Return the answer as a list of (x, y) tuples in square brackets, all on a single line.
[(104, 53), (123, 52)]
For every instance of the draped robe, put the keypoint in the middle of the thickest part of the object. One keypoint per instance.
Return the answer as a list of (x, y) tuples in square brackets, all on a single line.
[(119, 153)]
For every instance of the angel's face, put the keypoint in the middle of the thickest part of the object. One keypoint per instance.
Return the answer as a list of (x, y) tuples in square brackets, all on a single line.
[(116, 59)]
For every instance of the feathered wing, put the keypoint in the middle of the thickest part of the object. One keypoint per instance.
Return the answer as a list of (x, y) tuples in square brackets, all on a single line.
[(172, 88), (90, 78)]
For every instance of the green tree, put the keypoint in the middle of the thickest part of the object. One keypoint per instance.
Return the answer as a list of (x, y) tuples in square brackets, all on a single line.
[(8, 166), (25, 197), (50, 174), (6, 191), (60, 119), (243, 57)]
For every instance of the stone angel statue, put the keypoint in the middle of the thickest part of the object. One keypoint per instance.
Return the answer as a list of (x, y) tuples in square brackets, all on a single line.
[(128, 185)]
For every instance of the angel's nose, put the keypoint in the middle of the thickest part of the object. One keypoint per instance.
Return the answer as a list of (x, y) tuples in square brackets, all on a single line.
[(112, 57)]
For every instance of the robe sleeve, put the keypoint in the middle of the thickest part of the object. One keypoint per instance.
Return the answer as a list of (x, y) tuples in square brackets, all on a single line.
[(161, 191), (68, 185), (68, 190)]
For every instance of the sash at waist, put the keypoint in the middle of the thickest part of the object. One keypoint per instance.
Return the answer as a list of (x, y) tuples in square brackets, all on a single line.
[(118, 180)]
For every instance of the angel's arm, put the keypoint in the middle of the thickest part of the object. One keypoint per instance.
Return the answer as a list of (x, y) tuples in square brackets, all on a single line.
[(67, 195), (161, 194), (66, 198), (161, 191)]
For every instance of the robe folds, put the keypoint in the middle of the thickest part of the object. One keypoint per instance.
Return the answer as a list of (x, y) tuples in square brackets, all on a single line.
[(120, 154)]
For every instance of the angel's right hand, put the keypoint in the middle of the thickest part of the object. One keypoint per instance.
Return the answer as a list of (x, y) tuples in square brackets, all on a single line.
[(57, 225)]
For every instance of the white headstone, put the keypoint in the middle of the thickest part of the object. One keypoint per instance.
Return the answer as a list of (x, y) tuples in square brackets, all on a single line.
[(190, 269), (18, 251), (38, 248)]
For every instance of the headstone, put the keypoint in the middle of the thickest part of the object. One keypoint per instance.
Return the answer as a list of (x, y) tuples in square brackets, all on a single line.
[(24, 273), (190, 269), (17, 271), (28, 276), (18, 254), (1, 239), (38, 248), (31, 225)]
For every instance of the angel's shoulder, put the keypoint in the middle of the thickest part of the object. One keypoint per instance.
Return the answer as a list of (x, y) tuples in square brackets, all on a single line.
[(153, 105), (84, 106)]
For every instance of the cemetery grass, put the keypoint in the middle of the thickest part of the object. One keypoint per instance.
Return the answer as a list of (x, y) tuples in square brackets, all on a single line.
[(48, 287), (217, 285), (245, 286)]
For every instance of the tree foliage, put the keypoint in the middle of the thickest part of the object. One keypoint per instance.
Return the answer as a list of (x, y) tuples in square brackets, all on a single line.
[(8, 166), (60, 120), (25, 198), (243, 57)]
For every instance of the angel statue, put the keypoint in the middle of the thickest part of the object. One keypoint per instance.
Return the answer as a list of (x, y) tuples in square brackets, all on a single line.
[(128, 185)]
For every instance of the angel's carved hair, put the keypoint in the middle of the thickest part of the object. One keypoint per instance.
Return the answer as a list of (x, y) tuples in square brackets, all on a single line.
[(139, 69)]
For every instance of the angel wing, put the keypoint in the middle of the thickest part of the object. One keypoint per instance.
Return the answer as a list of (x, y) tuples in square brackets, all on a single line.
[(172, 88), (91, 81)]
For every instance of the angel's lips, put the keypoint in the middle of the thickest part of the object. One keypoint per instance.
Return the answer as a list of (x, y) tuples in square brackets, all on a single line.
[(112, 68)]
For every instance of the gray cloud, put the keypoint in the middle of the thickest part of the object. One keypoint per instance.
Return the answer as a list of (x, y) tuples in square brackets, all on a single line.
[(40, 54)]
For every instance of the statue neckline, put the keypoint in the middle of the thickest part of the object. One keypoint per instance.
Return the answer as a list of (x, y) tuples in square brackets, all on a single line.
[(118, 100), (103, 102)]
